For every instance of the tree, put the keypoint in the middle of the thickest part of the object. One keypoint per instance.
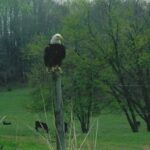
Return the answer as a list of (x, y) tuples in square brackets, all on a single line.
[(123, 53)]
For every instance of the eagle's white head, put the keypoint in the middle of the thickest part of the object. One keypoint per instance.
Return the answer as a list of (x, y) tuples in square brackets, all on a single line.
[(56, 39)]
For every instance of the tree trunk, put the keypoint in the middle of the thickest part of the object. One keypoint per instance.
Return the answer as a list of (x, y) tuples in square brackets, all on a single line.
[(84, 122), (132, 124), (58, 111), (130, 115), (148, 126), (148, 123), (84, 127)]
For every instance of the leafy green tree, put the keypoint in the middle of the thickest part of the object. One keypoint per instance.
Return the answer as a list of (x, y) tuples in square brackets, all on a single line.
[(83, 66), (36, 73), (124, 31), (107, 31), (81, 88)]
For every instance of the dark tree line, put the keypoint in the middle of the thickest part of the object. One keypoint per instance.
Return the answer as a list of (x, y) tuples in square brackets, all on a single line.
[(19, 22)]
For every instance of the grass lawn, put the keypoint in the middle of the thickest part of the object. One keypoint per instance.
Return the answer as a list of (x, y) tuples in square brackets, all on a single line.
[(108, 132)]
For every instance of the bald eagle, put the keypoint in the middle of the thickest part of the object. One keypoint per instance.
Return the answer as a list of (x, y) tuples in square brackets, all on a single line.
[(54, 53)]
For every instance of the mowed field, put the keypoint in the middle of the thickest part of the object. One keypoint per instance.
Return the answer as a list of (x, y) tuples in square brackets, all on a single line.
[(108, 132)]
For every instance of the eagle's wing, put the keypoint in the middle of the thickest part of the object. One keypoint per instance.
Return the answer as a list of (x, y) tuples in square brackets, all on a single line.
[(48, 56), (63, 51), (45, 56)]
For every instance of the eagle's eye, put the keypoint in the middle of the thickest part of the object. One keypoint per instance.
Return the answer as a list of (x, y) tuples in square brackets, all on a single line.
[(57, 36)]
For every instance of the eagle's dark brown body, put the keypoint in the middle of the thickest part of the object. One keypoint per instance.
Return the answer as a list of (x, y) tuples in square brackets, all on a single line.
[(53, 55)]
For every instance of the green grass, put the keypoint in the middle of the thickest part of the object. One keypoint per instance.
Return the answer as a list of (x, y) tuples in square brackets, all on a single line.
[(113, 132), (13, 102), (21, 133)]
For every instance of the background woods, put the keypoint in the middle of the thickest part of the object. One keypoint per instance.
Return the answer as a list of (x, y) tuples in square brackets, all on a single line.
[(108, 54), (19, 22)]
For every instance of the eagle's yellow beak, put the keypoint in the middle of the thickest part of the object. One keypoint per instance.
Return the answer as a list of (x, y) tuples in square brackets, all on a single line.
[(61, 37)]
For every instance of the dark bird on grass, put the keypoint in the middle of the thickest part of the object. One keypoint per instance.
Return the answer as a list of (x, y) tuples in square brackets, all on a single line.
[(42, 125), (1, 147), (54, 53), (7, 123)]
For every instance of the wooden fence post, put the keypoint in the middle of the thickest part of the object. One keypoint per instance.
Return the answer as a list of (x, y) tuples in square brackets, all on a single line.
[(58, 110)]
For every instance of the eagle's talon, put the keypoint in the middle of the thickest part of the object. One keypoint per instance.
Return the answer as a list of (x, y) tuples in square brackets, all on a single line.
[(48, 70), (53, 69), (60, 70)]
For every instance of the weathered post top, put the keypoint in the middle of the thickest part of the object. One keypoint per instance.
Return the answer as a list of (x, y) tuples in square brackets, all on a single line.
[(58, 110)]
